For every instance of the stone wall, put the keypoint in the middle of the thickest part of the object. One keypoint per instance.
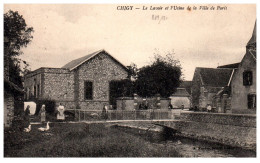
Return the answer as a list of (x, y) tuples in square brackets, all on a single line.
[(100, 70), (54, 83), (195, 89), (125, 103), (239, 92), (221, 118), (134, 103), (228, 129), (59, 86), (8, 109), (30, 83)]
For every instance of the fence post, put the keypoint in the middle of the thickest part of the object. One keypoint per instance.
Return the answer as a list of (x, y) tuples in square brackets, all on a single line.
[(84, 115), (135, 101), (158, 101), (79, 115)]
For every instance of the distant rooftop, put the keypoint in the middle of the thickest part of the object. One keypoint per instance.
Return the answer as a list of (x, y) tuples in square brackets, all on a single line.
[(215, 77), (77, 62), (186, 85), (253, 38)]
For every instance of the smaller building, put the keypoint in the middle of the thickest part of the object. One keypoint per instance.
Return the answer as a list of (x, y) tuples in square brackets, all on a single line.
[(206, 83), (182, 97)]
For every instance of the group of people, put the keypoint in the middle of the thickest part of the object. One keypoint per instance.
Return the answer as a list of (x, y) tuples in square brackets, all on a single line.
[(59, 114)]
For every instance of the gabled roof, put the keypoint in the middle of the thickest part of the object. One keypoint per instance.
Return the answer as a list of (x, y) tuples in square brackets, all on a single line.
[(233, 65), (215, 77), (253, 53), (181, 92), (187, 85), (77, 62), (253, 38)]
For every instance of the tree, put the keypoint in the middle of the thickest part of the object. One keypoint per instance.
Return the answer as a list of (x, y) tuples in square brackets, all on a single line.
[(132, 71), (16, 35), (162, 77), (120, 88)]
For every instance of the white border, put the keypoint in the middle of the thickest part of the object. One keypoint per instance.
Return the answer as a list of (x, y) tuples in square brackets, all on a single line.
[(121, 2)]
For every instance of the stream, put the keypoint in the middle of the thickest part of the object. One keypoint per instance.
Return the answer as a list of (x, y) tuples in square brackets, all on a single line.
[(187, 147)]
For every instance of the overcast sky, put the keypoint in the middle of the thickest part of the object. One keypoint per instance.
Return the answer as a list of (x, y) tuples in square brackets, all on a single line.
[(200, 38)]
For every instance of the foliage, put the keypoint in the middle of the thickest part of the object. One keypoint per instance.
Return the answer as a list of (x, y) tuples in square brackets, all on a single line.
[(16, 35), (132, 71), (120, 88), (162, 77)]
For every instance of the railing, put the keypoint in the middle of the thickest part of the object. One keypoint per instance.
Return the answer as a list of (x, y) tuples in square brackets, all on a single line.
[(93, 115)]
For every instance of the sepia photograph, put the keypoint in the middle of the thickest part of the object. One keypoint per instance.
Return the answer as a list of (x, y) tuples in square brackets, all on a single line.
[(129, 80)]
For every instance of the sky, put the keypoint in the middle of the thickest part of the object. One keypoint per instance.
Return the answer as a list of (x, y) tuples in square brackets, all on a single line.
[(198, 38)]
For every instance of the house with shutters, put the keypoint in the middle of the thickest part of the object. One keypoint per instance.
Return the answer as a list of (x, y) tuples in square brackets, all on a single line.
[(82, 83), (228, 88), (243, 84)]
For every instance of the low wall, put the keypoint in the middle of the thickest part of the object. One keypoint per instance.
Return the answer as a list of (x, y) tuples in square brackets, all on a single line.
[(140, 103), (125, 104), (243, 111), (221, 118), (229, 129)]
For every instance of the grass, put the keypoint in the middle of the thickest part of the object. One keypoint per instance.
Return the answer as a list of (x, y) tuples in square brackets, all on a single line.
[(81, 140)]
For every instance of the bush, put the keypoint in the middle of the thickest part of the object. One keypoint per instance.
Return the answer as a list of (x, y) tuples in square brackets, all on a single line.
[(120, 88)]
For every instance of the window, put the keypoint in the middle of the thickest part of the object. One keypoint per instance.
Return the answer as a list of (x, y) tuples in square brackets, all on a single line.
[(251, 101), (247, 78), (34, 91), (88, 90), (38, 90)]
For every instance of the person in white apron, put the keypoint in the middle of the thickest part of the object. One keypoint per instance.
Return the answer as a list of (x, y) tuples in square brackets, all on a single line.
[(209, 108), (60, 114)]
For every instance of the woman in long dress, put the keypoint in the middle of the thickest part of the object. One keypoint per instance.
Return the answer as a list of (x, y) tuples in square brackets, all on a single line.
[(105, 112), (27, 116), (60, 114), (43, 114)]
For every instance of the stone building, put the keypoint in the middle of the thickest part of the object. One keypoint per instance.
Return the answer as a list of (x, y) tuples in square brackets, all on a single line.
[(221, 101), (82, 83), (228, 88), (182, 96), (206, 83), (243, 84)]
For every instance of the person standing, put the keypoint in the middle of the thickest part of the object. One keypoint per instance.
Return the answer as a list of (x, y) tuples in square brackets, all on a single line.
[(43, 114), (26, 117), (60, 114), (104, 112), (209, 108)]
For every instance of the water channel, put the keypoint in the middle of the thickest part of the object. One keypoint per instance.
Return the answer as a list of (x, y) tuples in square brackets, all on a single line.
[(187, 147)]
